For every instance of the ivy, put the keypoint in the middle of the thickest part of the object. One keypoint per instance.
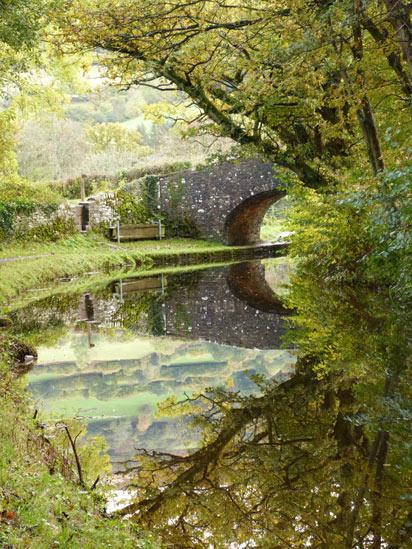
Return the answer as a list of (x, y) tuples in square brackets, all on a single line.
[(131, 209), (151, 184)]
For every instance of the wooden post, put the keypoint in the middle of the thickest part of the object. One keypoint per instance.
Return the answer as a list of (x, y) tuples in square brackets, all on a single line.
[(159, 205), (82, 190), (89, 335), (118, 231), (164, 318)]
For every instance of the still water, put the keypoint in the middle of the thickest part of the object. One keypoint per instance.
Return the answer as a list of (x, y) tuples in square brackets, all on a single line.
[(109, 356)]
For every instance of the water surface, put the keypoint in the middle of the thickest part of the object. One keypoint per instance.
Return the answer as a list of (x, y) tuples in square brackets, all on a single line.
[(109, 357)]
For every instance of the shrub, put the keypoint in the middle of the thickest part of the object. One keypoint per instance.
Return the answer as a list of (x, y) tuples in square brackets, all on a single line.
[(28, 194), (97, 183), (180, 226), (59, 227), (71, 189), (19, 198), (160, 169), (362, 234)]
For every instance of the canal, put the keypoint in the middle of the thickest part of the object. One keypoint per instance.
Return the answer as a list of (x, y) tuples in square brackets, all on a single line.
[(110, 356)]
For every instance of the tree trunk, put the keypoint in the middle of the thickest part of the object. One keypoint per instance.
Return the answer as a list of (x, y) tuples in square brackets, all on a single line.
[(365, 112), (371, 137), (394, 59), (399, 17)]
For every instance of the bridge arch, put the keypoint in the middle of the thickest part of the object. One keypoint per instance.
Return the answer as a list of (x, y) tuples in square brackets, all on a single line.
[(243, 223)]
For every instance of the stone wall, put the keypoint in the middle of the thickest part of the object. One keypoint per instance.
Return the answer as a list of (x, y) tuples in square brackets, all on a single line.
[(226, 202), (99, 212)]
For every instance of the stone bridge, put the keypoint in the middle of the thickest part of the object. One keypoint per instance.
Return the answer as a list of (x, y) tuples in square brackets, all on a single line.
[(226, 202)]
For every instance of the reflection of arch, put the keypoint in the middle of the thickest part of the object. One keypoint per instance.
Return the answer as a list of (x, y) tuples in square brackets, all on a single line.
[(247, 282), (243, 223)]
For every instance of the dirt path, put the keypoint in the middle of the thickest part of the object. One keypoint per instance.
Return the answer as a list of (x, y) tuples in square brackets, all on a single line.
[(22, 257)]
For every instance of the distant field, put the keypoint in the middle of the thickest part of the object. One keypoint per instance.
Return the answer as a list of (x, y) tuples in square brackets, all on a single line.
[(92, 407)]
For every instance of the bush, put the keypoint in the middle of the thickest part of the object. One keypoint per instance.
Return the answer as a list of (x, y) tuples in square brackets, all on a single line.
[(19, 198), (28, 194), (363, 234), (42, 503), (180, 227), (162, 169), (59, 227), (15, 350), (71, 189)]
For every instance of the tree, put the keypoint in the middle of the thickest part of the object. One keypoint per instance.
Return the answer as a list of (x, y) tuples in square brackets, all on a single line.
[(50, 149), (21, 25), (115, 136), (299, 81)]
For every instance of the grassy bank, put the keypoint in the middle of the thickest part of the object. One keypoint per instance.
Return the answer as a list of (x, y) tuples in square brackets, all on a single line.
[(42, 504), (94, 242), (35, 265)]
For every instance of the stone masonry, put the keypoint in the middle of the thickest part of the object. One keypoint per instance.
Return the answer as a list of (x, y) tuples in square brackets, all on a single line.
[(226, 202)]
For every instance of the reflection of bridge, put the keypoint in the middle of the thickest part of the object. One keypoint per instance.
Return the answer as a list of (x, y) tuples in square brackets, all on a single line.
[(226, 202), (232, 306), (248, 283)]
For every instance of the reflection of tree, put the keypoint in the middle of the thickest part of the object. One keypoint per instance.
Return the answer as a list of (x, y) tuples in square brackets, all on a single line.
[(141, 312), (321, 460)]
